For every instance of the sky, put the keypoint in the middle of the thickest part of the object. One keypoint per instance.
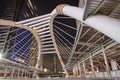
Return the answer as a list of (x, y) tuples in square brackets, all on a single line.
[(46, 6)]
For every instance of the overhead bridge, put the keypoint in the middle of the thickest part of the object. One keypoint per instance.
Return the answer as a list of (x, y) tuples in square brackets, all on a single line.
[(89, 51)]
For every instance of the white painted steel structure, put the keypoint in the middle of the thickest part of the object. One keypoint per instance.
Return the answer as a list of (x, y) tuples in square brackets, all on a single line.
[(95, 34)]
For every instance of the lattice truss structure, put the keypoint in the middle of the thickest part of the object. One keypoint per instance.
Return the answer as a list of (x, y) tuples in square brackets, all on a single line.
[(70, 36)]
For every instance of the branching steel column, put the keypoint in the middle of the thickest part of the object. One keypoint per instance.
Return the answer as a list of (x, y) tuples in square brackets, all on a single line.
[(106, 63), (29, 75), (84, 69), (92, 66), (5, 72), (15, 75), (76, 70), (79, 70), (25, 74), (13, 71), (18, 73)]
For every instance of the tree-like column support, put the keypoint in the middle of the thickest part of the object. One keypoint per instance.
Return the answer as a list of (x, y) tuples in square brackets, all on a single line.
[(18, 73), (84, 69), (5, 72), (13, 71), (106, 63), (92, 67), (79, 67)]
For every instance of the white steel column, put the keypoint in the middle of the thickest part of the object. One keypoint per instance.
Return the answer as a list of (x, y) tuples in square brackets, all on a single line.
[(18, 73), (5, 72), (92, 66), (15, 75), (79, 67), (29, 75), (74, 71), (13, 71), (78, 70), (25, 74), (41, 62), (84, 69), (22, 74), (106, 63)]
